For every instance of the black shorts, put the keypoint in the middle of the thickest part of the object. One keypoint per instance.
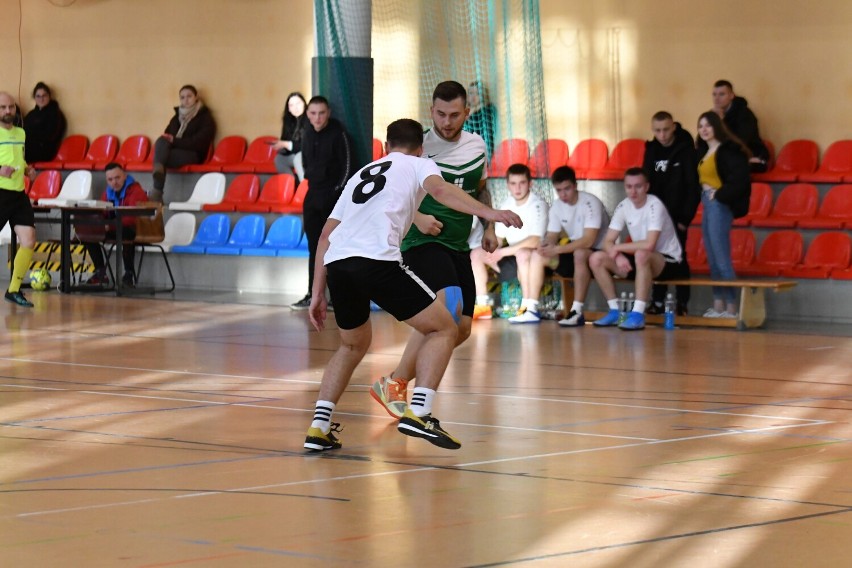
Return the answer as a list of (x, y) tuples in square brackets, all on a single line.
[(671, 271), (15, 209), (353, 282), (441, 267), (566, 265)]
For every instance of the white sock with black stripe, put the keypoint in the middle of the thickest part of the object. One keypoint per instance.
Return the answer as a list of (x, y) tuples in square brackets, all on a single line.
[(421, 401), (322, 416)]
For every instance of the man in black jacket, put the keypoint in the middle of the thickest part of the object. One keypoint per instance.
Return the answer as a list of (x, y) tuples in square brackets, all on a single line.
[(673, 169), (742, 123), (328, 163)]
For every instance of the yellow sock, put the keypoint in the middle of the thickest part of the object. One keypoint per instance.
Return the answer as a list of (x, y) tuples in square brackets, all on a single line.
[(22, 264)]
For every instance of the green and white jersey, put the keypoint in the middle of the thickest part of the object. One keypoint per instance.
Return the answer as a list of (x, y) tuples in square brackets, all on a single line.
[(462, 163)]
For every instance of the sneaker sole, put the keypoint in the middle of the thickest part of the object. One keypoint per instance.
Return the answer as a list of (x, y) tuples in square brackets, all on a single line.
[(415, 432), (630, 328), (319, 445), (560, 324), (378, 398)]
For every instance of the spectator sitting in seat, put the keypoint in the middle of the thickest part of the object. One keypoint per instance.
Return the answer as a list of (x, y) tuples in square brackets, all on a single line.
[(582, 217), (742, 123), (521, 242), (654, 251), (122, 190), (187, 138), (45, 126), (289, 147)]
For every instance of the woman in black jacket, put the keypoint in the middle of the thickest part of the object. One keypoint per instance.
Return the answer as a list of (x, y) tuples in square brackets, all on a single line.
[(187, 139), (289, 147), (45, 126), (723, 172)]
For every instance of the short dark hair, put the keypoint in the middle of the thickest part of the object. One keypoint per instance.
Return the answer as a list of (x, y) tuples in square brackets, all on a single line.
[(189, 87), (564, 173), (519, 170), (405, 133), (112, 166), (449, 91), (662, 115), (723, 83), (637, 171), (320, 100), (42, 85)]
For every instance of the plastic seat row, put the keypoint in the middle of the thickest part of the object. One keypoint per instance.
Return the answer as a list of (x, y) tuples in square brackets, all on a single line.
[(796, 206), (75, 153), (798, 161), (248, 238), (279, 194), (49, 190), (829, 255)]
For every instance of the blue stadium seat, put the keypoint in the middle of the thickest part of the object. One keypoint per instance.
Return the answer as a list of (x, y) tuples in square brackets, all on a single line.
[(212, 231), (248, 233), (284, 234)]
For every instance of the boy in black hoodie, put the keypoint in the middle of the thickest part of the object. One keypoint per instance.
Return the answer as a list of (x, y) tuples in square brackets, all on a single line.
[(673, 169)]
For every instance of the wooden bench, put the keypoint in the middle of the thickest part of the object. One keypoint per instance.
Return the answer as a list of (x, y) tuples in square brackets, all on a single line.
[(752, 309)]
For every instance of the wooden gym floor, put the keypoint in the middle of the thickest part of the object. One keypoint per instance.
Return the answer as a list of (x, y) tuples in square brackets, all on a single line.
[(152, 433)]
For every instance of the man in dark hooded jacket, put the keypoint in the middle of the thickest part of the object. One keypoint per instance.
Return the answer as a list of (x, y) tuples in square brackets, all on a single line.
[(742, 123)]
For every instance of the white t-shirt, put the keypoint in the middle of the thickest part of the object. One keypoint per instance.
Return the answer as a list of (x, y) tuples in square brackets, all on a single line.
[(376, 208), (587, 213), (650, 217), (534, 215)]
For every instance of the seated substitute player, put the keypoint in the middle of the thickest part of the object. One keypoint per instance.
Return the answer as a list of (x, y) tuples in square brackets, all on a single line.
[(359, 257), (583, 218), (653, 253), (521, 242)]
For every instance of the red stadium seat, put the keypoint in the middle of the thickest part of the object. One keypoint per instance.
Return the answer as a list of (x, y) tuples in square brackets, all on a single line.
[(781, 250), (72, 149), (627, 154), (760, 204), (835, 212), (836, 164), (229, 150), (46, 185), (378, 149), (588, 155), (103, 150), (797, 158), (277, 193), (828, 252), (134, 149), (548, 155), (509, 152), (797, 202), (742, 248), (696, 256), (259, 158), (298, 202), (243, 189)]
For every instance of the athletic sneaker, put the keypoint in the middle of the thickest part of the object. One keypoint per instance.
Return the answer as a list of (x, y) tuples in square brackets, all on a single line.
[(97, 279), (711, 313), (573, 319), (319, 442), (302, 304), (392, 394), (634, 321), (18, 298), (428, 428), (481, 312), (610, 319), (525, 315), (727, 315)]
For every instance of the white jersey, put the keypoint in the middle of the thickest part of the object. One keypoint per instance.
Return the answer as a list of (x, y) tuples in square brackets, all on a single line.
[(650, 217), (534, 215), (587, 213), (377, 206)]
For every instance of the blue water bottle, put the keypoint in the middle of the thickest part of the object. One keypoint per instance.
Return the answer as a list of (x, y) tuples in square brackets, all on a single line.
[(669, 316)]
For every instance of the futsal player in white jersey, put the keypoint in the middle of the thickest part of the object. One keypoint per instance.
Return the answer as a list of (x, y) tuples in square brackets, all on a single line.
[(582, 218), (359, 258), (520, 243), (653, 252)]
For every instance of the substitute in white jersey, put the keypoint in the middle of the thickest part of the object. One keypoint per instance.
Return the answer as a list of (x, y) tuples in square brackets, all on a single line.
[(653, 252), (359, 258)]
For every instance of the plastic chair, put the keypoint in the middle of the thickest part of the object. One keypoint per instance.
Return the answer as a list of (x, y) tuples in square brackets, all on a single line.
[(230, 150), (285, 233), (277, 193), (828, 252), (45, 186), (297, 204), (77, 187), (213, 231), (780, 250), (797, 202), (301, 249), (210, 188), (150, 234), (742, 248), (243, 189), (134, 149), (103, 150), (759, 205), (511, 151), (588, 155), (835, 212), (796, 158), (259, 158), (627, 154), (72, 149), (696, 256), (836, 164), (378, 149), (548, 155), (248, 233)]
